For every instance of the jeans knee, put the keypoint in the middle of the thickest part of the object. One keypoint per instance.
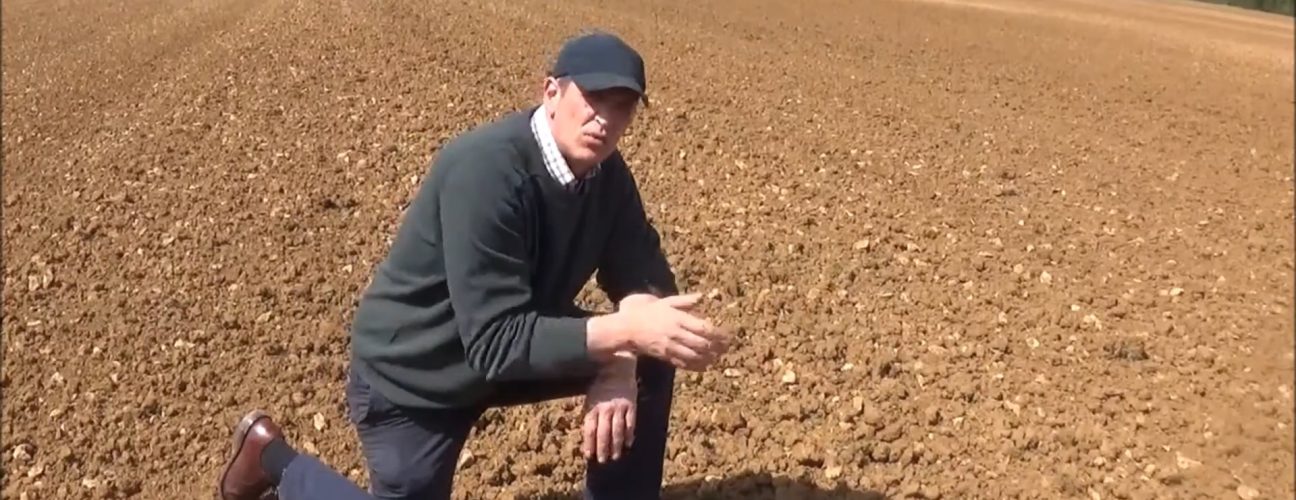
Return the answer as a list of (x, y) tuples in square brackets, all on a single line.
[(410, 458), (395, 473), (393, 481)]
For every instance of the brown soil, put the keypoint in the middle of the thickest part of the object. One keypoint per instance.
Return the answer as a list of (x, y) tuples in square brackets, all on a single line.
[(1008, 252)]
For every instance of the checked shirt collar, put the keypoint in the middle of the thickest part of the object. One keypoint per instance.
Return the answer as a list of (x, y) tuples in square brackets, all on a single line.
[(553, 160)]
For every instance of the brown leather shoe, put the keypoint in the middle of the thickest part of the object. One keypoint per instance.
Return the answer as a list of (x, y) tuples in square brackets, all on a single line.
[(243, 478)]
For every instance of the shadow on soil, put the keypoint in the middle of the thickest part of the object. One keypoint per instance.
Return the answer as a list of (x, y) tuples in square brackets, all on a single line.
[(747, 486)]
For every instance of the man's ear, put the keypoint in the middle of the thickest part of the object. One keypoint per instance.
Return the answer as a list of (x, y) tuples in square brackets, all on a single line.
[(550, 93)]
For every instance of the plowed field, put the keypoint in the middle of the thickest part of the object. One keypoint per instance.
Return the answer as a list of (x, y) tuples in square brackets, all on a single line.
[(985, 249)]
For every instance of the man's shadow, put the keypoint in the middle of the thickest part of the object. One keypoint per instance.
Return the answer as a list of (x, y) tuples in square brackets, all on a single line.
[(753, 486)]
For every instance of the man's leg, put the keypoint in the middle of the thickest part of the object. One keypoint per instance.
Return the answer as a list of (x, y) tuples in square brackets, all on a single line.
[(262, 459), (410, 454), (638, 474), (307, 478)]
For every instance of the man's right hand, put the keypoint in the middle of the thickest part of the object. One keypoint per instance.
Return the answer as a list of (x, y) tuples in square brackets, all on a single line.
[(662, 329)]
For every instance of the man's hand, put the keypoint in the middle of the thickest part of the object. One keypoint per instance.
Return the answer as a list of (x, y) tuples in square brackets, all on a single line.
[(636, 300), (610, 410), (661, 328), (664, 329)]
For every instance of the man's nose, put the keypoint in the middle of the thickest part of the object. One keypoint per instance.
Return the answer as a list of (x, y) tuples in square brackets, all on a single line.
[(601, 122)]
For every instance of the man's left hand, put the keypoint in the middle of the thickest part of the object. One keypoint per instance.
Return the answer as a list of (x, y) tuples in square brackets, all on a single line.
[(610, 410)]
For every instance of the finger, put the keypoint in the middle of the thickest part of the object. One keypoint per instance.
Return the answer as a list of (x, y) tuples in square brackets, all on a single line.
[(682, 301), (688, 308), (721, 340), (589, 431), (618, 432), (700, 364), (680, 355), (701, 361), (631, 415), (695, 343), (695, 324), (604, 434)]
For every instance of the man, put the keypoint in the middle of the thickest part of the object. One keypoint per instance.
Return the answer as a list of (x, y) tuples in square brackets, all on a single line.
[(473, 307)]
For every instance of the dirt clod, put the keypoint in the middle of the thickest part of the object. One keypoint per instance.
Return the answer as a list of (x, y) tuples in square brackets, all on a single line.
[(789, 377), (872, 415), (1127, 349)]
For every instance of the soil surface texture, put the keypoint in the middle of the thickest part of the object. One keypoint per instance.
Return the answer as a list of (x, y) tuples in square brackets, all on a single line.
[(971, 249)]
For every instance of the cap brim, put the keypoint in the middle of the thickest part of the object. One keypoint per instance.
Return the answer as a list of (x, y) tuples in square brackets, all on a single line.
[(594, 82)]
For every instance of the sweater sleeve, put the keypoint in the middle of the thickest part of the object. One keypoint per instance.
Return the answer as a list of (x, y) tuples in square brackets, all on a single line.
[(483, 218), (633, 260)]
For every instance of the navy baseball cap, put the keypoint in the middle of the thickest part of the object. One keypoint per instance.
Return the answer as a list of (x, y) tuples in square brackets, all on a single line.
[(601, 61)]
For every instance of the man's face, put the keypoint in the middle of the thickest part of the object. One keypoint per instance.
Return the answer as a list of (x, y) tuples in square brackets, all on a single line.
[(588, 125)]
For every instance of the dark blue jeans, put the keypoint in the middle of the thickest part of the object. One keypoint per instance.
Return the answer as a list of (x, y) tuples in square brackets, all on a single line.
[(306, 478), (412, 454)]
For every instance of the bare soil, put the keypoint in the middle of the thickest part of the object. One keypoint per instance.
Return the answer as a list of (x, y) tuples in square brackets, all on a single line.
[(973, 250)]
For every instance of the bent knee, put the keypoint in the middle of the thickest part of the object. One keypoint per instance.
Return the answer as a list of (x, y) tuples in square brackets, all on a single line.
[(389, 479)]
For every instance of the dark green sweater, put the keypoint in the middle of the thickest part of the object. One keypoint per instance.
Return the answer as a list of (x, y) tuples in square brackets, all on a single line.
[(478, 287)]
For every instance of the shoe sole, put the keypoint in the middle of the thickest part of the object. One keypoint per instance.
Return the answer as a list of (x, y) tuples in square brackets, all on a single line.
[(236, 446)]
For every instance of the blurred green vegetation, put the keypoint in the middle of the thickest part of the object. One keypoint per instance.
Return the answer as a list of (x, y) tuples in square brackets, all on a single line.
[(1275, 6)]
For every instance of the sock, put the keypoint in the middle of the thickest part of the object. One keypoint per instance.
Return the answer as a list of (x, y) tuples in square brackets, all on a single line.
[(275, 459)]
